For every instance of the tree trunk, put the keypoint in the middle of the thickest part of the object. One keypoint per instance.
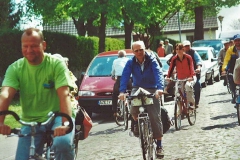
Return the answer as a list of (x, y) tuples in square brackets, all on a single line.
[(80, 26), (199, 31), (128, 28), (91, 29), (102, 34)]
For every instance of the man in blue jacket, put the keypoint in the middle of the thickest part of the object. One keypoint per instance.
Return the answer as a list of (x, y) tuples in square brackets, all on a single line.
[(147, 74)]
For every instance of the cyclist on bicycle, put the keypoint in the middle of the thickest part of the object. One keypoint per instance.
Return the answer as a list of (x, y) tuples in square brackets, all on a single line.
[(146, 73), (117, 69), (43, 82), (197, 64), (236, 72), (185, 70), (232, 54), (221, 56)]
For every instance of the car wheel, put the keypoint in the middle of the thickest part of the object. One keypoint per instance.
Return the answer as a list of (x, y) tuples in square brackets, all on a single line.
[(204, 84), (211, 80), (217, 78)]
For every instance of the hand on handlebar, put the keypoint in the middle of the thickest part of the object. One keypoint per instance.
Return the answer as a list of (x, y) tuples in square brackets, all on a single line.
[(60, 131), (158, 93), (122, 96), (224, 73), (4, 129), (198, 70)]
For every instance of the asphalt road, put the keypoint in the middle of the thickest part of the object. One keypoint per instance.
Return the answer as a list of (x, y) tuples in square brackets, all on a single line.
[(214, 136)]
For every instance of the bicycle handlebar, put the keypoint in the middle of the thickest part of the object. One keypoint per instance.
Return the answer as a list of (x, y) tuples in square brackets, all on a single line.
[(52, 116)]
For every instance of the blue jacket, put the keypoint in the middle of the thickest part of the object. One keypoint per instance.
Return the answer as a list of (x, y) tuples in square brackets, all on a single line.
[(151, 77)]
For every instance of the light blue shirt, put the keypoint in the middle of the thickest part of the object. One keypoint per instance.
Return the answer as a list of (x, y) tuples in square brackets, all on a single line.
[(118, 65)]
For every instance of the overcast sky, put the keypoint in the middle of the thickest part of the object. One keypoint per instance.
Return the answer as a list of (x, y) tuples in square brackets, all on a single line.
[(229, 14)]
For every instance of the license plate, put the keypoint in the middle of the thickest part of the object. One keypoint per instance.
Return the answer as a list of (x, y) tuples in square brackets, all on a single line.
[(105, 102)]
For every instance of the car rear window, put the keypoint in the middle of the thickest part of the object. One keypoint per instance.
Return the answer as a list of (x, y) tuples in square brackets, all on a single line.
[(101, 66), (217, 45), (203, 54)]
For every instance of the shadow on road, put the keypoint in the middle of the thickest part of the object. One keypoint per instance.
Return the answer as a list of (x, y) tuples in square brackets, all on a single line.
[(223, 93), (223, 126), (110, 131), (232, 115), (224, 101)]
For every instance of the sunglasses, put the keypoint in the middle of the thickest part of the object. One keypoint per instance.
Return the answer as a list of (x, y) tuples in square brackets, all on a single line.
[(138, 50)]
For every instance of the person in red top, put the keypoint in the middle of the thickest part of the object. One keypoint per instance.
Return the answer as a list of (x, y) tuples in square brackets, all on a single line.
[(185, 70), (161, 50)]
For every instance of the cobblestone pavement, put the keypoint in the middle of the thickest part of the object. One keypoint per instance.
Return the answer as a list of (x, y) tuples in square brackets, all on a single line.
[(214, 136)]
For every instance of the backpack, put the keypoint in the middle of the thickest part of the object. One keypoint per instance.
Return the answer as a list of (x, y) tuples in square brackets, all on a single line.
[(154, 54), (166, 122)]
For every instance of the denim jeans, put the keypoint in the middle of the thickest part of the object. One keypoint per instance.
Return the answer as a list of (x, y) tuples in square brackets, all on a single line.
[(63, 145)]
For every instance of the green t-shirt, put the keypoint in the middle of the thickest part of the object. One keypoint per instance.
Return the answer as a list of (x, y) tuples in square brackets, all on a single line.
[(37, 85)]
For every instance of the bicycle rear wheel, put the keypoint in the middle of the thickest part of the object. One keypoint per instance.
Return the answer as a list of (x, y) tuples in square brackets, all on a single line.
[(146, 143), (238, 113), (228, 85), (126, 117), (177, 114), (191, 115), (120, 110)]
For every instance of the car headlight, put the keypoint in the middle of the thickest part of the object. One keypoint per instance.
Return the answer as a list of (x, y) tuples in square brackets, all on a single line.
[(86, 93)]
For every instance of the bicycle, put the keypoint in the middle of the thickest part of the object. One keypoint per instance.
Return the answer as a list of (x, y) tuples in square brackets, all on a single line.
[(48, 154), (144, 125), (123, 110), (238, 102), (182, 106)]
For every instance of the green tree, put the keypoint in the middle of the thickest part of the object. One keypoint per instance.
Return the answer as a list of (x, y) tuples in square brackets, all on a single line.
[(10, 14)]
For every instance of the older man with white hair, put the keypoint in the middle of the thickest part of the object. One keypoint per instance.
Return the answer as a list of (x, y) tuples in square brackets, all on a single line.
[(147, 74)]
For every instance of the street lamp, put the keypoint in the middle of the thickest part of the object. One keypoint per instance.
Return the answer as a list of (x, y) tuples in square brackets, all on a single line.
[(220, 18)]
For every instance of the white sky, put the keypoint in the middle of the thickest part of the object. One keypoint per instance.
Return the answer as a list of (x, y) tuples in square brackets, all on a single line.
[(229, 14)]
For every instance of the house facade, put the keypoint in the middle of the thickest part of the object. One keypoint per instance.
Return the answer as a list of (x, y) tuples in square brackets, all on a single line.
[(172, 30)]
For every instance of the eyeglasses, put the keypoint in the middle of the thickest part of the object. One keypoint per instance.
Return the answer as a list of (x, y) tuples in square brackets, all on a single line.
[(138, 50)]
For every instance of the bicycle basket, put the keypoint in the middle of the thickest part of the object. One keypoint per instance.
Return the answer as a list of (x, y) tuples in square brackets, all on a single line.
[(137, 101)]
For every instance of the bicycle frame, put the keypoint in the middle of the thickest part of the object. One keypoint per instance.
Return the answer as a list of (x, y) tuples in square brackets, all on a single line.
[(238, 102)]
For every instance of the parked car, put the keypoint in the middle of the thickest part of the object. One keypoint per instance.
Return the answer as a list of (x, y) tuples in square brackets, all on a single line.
[(210, 62), (96, 88), (217, 44)]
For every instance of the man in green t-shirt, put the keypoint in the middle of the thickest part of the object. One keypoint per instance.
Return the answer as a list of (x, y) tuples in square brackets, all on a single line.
[(43, 82)]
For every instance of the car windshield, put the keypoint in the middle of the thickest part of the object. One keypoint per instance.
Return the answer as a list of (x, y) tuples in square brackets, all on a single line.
[(203, 54), (217, 45), (165, 66), (102, 66)]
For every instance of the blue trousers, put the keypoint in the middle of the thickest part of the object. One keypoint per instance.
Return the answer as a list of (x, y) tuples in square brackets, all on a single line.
[(63, 145)]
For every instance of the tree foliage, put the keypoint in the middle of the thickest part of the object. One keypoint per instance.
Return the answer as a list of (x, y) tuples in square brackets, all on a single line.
[(10, 14), (145, 18)]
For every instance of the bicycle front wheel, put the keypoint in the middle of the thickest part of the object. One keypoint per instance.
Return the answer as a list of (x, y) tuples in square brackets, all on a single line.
[(120, 110), (191, 115), (238, 113), (147, 147), (177, 115)]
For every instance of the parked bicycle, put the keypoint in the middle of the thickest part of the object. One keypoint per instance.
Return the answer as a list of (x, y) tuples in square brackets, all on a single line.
[(48, 154), (144, 125), (182, 106)]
